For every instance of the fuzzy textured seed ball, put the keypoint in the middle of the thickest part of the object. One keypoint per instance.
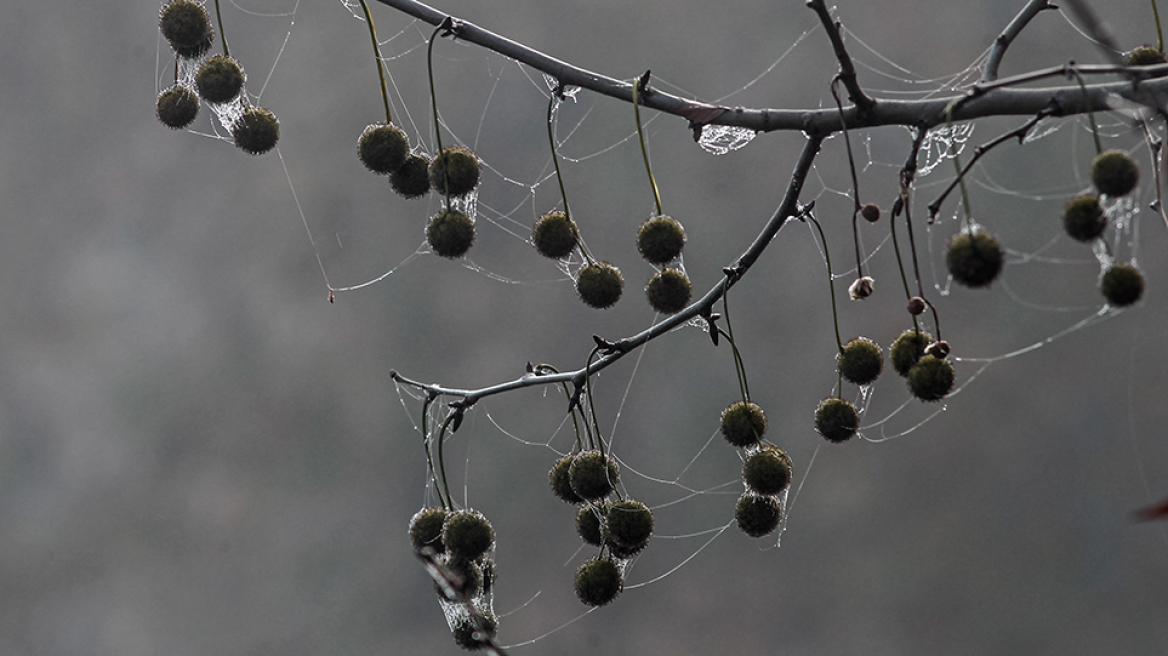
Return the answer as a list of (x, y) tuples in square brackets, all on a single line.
[(870, 212), (257, 131), (861, 361), (593, 475), (1122, 285), (177, 107), (561, 481), (468, 578), (220, 79), (599, 285), (629, 524), (974, 259), (1146, 56), (1114, 172), (668, 291), (931, 378), (588, 524), (743, 424), (907, 349), (660, 239), (411, 179), (1083, 218), (383, 148), (837, 420), (467, 534), (187, 28), (450, 233), (598, 581), (455, 171), (758, 514), (767, 470), (468, 634), (426, 529), (555, 235)]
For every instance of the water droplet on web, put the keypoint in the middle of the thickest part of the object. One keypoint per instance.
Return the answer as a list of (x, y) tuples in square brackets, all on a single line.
[(721, 139)]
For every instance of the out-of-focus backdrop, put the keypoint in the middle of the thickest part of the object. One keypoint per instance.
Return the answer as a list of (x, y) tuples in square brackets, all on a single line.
[(200, 455)]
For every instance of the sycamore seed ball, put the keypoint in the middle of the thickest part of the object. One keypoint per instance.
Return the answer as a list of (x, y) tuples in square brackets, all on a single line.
[(220, 79), (629, 525), (588, 521), (450, 233), (1146, 56), (555, 235), (907, 349), (767, 470), (426, 529), (599, 285), (974, 259), (660, 239), (593, 475), (1122, 285), (1083, 218), (931, 378), (383, 148), (561, 481), (177, 107), (468, 633), (455, 171), (467, 578), (870, 212), (467, 534), (743, 424), (860, 361), (668, 291), (598, 581), (257, 131), (1114, 172), (837, 420), (412, 179), (187, 28), (758, 514)]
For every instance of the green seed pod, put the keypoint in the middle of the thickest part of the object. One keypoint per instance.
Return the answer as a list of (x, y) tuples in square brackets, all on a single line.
[(426, 529), (629, 524), (220, 79), (837, 420), (758, 514), (660, 239), (931, 378), (767, 470), (468, 578), (599, 285), (743, 424), (555, 235), (186, 27), (593, 475), (467, 633), (907, 349), (455, 170), (257, 131), (383, 148), (467, 534), (1146, 56), (598, 581), (1122, 284), (412, 179), (561, 481), (668, 291), (1083, 218), (974, 260), (177, 107), (588, 522), (1114, 173), (450, 233), (870, 212), (861, 361)]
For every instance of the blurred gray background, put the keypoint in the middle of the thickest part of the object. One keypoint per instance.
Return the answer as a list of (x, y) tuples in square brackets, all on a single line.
[(200, 455)]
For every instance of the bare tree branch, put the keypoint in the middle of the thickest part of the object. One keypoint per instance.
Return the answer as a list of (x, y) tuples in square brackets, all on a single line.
[(847, 74), (1032, 9)]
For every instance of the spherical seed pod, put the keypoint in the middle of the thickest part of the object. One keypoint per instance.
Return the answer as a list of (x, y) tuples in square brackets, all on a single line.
[(588, 521), (455, 171), (1083, 218), (743, 423), (660, 239), (593, 475), (220, 79), (450, 233), (907, 349), (383, 148), (1122, 284), (1146, 56), (767, 470), (468, 634), (629, 524), (1114, 172), (426, 529), (467, 534), (257, 131), (931, 378), (870, 212), (468, 579), (599, 285), (186, 27), (561, 481), (555, 235), (598, 581), (758, 514), (916, 306), (860, 361), (412, 179), (668, 291), (974, 259), (177, 107), (837, 420)]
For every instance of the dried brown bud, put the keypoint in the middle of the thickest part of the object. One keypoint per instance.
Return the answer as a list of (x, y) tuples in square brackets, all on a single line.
[(916, 305), (870, 212), (861, 289), (938, 349)]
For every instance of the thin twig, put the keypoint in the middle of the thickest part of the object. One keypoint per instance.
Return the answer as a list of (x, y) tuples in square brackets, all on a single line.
[(847, 74), (1032, 9)]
